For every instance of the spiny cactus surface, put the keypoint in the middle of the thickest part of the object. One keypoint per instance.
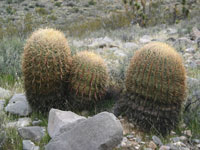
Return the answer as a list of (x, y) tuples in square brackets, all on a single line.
[(157, 72), (155, 88), (45, 66), (88, 78)]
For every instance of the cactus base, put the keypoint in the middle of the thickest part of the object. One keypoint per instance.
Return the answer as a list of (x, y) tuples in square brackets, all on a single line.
[(47, 101), (149, 115)]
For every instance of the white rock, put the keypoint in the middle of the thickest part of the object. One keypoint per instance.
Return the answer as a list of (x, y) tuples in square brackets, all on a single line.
[(78, 43), (101, 42), (183, 138), (145, 39), (179, 144), (190, 50), (22, 122), (35, 133), (195, 33), (58, 119), (124, 141), (157, 140), (188, 133), (172, 31), (4, 94), (164, 147), (130, 45), (28, 145), (120, 53), (18, 105)]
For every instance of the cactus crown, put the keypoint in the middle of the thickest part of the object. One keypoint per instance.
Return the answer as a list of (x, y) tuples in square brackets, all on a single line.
[(156, 72), (89, 76), (45, 60)]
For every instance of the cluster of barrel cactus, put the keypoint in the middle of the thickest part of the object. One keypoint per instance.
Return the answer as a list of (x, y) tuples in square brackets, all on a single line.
[(155, 80), (51, 75)]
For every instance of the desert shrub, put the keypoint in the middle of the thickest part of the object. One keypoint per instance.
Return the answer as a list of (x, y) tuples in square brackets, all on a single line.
[(41, 11), (91, 2), (157, 11), (114, 21), (21, 28), (58, 4), (10, 56)]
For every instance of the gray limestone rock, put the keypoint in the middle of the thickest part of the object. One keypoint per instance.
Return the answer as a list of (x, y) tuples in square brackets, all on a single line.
[(34, 133), (58, 119), (101, 132), (18, 105), (28, 145)]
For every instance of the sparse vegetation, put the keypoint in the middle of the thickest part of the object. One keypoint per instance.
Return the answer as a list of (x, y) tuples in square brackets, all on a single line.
[(58, 4), (41, 11)]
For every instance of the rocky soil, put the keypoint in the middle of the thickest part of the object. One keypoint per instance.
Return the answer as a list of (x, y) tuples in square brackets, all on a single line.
[(59, 12)]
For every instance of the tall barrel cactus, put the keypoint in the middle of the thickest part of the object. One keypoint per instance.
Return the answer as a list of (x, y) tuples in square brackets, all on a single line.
[(88, 79), (156, 87), (45, 66)]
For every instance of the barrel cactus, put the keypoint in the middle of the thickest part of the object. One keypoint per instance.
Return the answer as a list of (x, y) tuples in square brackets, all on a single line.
[(88, 79), (155, 87), (45, 67)]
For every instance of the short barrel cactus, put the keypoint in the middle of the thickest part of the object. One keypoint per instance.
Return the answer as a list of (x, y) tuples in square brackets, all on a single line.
[(88, 79), (45, 65), (155, 87)]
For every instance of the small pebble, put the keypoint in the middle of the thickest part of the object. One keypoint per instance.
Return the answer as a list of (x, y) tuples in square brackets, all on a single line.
[(179, 144), (188, 133), (157, 140), (131, 125), (197, 141), (183, 138), (175, 139), (152, 145), (36, 123), (173, 133), (130, 136), (138, 139), (164, 147), (137, 147), (142, 143)]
